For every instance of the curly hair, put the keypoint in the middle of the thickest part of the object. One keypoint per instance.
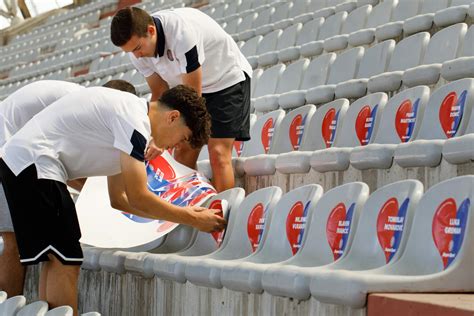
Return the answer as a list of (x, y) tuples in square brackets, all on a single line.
[(193, 109), (127, 22)]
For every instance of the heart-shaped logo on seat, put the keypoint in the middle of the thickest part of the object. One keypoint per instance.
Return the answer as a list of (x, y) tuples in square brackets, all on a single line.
[(364, 124), (451, 113), (338, 228), (159, 169), (449, 227), (390, 225), (296, 224), (296, 131), (405, 119), (328, 126), (267, 135), (256, 225), (218, 236)]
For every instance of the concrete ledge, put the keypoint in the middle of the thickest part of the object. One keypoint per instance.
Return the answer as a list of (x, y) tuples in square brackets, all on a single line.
[(420, 304)]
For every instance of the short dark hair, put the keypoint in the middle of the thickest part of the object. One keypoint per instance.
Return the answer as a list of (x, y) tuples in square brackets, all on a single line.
[(128, 22), (121, 85), (193, 109)]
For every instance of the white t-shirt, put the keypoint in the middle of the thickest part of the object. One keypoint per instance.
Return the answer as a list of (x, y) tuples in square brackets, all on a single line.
[(187, 39), (67, 142), (19, 107)]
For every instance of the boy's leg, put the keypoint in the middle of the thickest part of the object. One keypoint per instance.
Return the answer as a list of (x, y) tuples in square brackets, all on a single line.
[(220, 156), (12, 273)]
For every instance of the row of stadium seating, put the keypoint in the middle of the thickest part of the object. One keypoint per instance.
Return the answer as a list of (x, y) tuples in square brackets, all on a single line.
[(16, 306)]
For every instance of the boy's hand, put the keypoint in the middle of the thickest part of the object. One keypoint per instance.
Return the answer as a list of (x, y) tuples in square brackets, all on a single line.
[(152, 151), (208, 220)]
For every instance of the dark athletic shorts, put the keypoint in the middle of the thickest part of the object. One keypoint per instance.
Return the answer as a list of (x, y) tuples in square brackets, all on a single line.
[(43, 215), (230, 111)]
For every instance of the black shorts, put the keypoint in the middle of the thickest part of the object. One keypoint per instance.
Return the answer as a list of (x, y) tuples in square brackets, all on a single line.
[(43, 215), (230, 111)]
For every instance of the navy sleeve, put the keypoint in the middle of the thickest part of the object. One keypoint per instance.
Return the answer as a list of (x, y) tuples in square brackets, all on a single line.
[(192, 60), (139, 145)]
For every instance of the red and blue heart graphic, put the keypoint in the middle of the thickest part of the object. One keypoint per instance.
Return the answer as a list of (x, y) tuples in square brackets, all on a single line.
[(328, 127), (267, 134), (296, 131), (218, 236), (449, 226), (159, 168), (338, 228), (296, 224), (390, 225), (256, 225), (364, 124), (451, 112), (405, 119), (238, 146)]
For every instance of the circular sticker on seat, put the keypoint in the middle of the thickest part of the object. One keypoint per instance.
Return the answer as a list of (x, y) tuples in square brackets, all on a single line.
[(218, 236), (390, 225), (405, 119), (296, 131), (267, 135), (364, 124), (451, 112), (449, 226), (256, 225), (338, 228), (296, 224), (328, 127)]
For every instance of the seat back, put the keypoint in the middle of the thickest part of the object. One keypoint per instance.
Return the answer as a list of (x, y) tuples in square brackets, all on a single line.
[(299, 7), (310, 31), (361, 121), (317, 72), (263, 17), (262, 133), (468, 43), (250, 223), (292, 76), (444, 45), (60, 311), (284, 234), (282, 10), (431, 6), (292, 129), (288, 37), (12, 305), (269, 42), (38, 308), (376, 59), (247, 22), (356, 20), (448, 110), (406, 9), (415, 44), (332, 26), (381, 13), (268, 81), (401, 117), (239, 145), (231, 26), (345, 66), (250, 46), (323, 126), (441, 237), (384, 224)]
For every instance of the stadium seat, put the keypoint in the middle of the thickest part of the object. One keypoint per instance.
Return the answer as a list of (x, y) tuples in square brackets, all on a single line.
[(374, 62), (290, 79), (268, 82), (437, 257), (267, 44), (288, 138), (457, 12), (278, 20), (12, 305), (3, 296), (245, 24), (424, 21), (244, 238), (231, 25), (170, 266), (262, 19), (38, 308), (394, 29), (463, 66), (356, 20), (401, 119), (379, 15), (358, 129), (332, 26), (315, 75), (282, 239), (446, 116), (261, 136), (443, 46), (400, 61), (60, 311), (344, 68), (308, 33), (321, 133), (328, 236), (287, 39)]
